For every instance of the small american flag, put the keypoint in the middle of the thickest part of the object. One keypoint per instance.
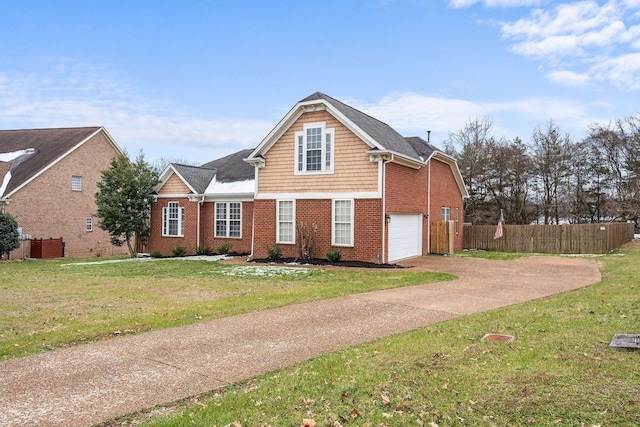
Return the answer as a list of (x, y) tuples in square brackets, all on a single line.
[(500, 228)]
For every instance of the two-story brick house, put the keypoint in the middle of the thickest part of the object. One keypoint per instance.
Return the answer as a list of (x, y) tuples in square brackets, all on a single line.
[(48, 181), (373, 194), (367, 191)]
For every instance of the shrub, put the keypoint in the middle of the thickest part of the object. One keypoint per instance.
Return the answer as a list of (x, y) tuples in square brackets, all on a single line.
[(274, 253), (223, 249), (156, 254), (203, 250), (179, 251), (334, 256)]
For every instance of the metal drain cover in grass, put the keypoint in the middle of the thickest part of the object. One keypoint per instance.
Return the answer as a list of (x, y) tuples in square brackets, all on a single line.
[(626, 342), (505, 339)]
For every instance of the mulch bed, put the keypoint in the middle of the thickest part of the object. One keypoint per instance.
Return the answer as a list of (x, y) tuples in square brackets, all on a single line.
[(323, 262)]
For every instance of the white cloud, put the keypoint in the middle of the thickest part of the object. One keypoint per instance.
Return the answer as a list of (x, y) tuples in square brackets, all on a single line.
[(81, 95), (569, 78), (587, 39), (413, 114), (459, 4)]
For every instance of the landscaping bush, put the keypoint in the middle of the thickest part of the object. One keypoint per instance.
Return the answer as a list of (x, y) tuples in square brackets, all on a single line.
[(223, 249), (179, 251), (274, 253), (156, 254), (203, 250), (334, 256)]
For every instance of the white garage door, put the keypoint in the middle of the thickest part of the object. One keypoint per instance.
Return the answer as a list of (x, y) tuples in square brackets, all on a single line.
[(405, 236)]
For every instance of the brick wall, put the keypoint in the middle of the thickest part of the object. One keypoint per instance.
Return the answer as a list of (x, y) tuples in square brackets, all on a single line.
[(166, 244), (367, 231), (445, 192), (47, 207)]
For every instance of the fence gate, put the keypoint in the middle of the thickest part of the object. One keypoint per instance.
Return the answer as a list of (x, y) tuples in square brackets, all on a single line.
[(441, 238)]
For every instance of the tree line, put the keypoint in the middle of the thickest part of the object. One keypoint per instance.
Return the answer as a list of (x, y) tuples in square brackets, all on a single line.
[(552, 179)]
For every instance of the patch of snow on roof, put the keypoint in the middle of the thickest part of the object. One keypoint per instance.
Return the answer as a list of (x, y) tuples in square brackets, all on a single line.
[(5, 182), (236, 187), (8, 157)]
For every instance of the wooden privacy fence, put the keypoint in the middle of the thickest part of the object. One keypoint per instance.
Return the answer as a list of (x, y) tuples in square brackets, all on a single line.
[(47, 248), (550, 239)]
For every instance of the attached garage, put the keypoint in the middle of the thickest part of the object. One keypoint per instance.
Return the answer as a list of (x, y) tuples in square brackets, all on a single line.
[(405, 236)]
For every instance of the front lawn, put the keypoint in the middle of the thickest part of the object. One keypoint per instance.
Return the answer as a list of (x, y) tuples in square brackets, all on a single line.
[(48, 304), (559, 371)]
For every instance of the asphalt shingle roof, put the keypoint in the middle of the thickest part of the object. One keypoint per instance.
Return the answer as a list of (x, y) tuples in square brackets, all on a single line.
[(381, 132), (48, 145), (196, 176), (232, 168)]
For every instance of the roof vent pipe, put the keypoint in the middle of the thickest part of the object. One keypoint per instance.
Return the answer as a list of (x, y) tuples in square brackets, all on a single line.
[(428, 136)]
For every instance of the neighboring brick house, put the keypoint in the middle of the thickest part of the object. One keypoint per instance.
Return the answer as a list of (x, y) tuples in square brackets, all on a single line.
[(373, 194), (204, 206), (48, 181)]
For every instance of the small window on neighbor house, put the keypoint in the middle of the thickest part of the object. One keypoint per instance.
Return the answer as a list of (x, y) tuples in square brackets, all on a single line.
[(76, 183), (457, 221), (446, 213), (89, 226)]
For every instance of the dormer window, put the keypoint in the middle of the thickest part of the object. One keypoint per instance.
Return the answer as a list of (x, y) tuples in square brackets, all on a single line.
[(314, 149)]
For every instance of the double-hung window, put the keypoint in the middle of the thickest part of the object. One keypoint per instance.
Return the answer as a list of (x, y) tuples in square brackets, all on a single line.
[(446, 213), (173, 220), (314, 149), (342, 223), (228, 219), (285, 221), (89, 224)]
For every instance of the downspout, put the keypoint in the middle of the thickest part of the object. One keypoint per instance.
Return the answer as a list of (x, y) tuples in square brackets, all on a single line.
[(429, 210), (200, 202), (384, 209)]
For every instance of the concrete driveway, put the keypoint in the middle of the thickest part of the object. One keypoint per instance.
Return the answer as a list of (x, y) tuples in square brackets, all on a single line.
[(87, 384)]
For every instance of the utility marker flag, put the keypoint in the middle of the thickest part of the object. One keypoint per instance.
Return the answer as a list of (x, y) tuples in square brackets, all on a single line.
[(500, 228)]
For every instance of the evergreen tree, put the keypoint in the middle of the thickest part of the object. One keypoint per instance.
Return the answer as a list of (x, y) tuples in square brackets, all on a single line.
[(9, 237), (124, 199)]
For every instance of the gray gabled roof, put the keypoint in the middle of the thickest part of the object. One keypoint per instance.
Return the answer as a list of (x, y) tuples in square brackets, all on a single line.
[(197, 177), (45, 147), (232, 168), (381, 132)]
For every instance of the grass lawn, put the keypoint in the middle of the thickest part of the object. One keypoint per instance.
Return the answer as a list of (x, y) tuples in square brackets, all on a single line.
[(559, 371), (49, 304)]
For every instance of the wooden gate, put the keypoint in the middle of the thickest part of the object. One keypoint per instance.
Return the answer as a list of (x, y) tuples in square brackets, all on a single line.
[(441, 238)]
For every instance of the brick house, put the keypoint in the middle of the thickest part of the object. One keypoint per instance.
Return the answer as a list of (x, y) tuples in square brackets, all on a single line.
[(204, 206), (48, 181), (373, 194), (368, 192)]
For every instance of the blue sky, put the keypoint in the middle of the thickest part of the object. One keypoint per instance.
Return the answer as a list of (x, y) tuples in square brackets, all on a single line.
[(196, 80)]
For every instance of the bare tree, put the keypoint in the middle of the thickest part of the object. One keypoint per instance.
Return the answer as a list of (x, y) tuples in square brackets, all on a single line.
[(471, 148), (551, 153)]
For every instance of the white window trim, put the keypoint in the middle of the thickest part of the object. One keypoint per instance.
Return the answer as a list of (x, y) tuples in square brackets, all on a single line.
[(302, 134), (89, 224), (76, 183), (165, 220), (278, 221), (227, 220), (447, 216), (333, 223)]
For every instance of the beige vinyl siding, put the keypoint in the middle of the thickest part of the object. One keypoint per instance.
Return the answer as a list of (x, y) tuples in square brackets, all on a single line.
[(353, 172), (174, 185)]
